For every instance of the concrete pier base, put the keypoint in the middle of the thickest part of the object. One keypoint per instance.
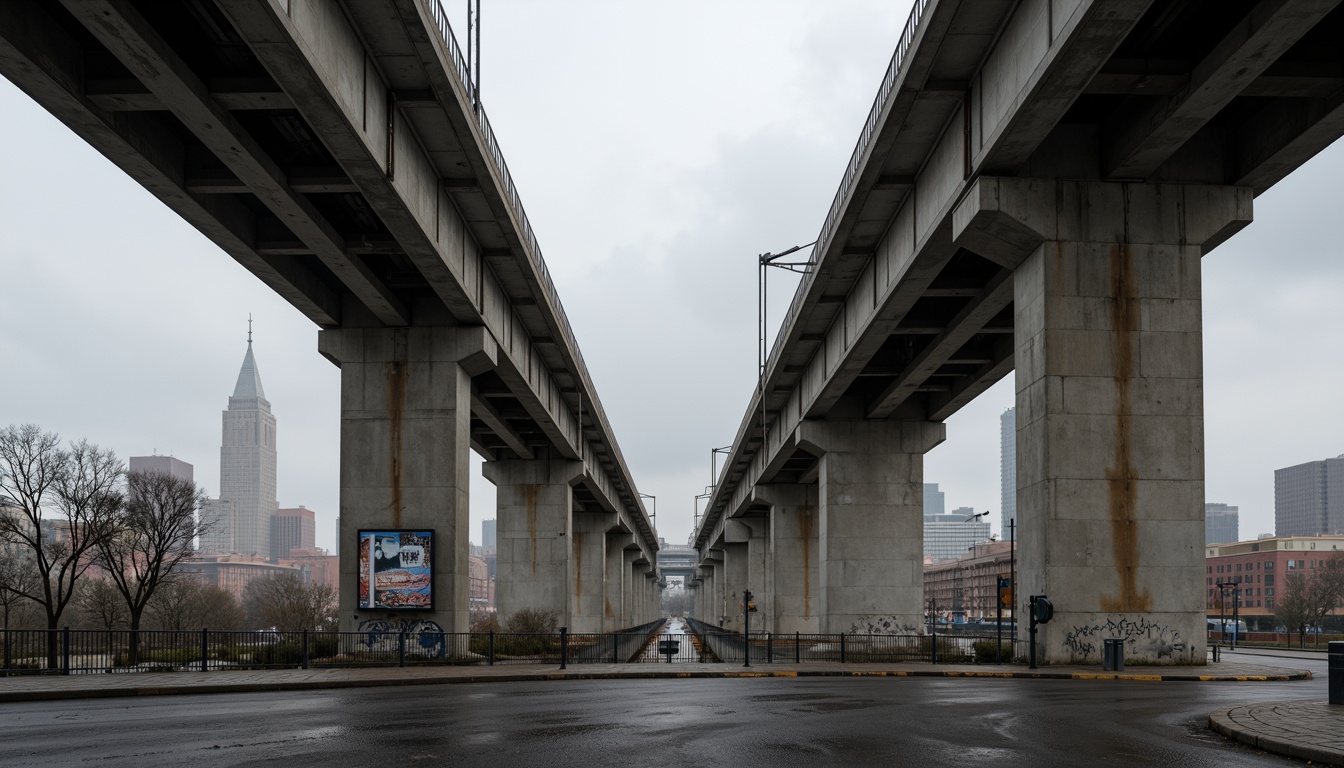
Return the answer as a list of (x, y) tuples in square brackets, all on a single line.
[(617, 578), (588, 588), (871, 523), (405, 421), (534, 534), (794, 581), (1110, 404)]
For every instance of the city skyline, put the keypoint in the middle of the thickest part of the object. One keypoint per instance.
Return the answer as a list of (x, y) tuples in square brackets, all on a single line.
[(657, 282)]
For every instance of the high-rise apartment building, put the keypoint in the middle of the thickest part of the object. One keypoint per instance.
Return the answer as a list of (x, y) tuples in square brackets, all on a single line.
[(488, 536), (1221, 524), (951, 536), (239, 521), (1007, 469), (1309, 498), (292, 529)]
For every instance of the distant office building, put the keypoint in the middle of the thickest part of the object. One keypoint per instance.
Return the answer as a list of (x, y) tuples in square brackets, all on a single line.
[(1220, 524), (241, 522), (232, 573), (488, 539), (951, 536), (292, 529), (968, 588), (164, 465), (1007, 469), (933, 500), (1309, 498)]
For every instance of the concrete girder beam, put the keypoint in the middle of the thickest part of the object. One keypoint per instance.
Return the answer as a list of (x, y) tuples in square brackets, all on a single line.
[(1136, 145), (43, 60), (121, 28)]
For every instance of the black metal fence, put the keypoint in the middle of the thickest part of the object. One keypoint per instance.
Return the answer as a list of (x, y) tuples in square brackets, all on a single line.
[(67, 651), (799, 648)]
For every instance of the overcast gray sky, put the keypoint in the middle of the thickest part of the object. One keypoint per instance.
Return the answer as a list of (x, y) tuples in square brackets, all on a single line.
[(658, 149)]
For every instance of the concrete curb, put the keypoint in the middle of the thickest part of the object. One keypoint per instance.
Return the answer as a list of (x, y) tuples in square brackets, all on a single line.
[(55, 694), (1222, 722)]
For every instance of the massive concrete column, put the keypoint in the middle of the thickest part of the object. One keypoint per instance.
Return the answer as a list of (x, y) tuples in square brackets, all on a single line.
[(405, 426), (613, 602), (708, 613), (871, 522), (1110, 416), (640, 588), (735, 578), (589, 572), (628, 611), (534, 533), (793, 557)]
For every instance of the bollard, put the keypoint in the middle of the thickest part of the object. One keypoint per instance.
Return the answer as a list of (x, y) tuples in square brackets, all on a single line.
[(1337, 672), (564, 646)]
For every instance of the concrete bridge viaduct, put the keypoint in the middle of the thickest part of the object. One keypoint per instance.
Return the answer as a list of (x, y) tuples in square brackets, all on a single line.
[(1033, 191), (336, 150)]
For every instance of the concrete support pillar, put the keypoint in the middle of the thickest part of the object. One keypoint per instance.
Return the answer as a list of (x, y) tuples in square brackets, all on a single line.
[(760, 575), (589, 571), (640, 588), (628, 612), (793, 557), (735, 579), (613, 606), (534, 534), (405, 426), (871, 523), (719, 597), (1110, 417), (707, 613)]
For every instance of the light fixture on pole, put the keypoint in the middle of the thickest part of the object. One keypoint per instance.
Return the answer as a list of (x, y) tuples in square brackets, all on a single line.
[(653, 516)]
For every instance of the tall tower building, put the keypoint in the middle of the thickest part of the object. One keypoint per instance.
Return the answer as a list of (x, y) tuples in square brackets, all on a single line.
[(1007, 469), (1221, 523), (1309, 498), (240, 520), (933, 499), (292, 529)]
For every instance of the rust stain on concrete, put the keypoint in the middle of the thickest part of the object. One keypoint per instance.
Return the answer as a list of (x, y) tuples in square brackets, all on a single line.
[(807, 524), (530, 492), (1122, 477), (578, 570), (396, 373)]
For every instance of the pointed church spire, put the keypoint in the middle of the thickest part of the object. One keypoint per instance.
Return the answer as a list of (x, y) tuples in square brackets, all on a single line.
[(249, 378)]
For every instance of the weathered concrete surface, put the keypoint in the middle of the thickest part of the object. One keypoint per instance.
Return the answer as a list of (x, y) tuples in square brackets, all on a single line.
[(871, 523), (535, 505), (589, 573), (405, 423), (1110, 407), (736, 579), (794, 582), (617, 579)]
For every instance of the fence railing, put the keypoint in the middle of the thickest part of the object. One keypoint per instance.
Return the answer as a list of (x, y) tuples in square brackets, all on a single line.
[(800, 647), (70, 651)]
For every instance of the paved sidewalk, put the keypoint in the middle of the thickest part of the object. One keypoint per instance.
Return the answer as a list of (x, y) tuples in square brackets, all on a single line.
[(45, 688), (1307, 730)]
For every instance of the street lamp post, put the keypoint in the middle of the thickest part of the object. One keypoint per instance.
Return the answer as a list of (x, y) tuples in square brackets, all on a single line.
[(653, 515)]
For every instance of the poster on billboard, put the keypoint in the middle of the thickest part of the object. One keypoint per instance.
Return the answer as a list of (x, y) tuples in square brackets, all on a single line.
[(396, 570)]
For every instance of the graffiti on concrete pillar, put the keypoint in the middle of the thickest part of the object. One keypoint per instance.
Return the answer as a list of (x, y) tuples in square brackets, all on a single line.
[(423, 637), (1142, 637), (882, 625)]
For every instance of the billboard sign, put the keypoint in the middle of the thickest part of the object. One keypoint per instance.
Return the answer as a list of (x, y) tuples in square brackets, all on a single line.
[(396, 570)]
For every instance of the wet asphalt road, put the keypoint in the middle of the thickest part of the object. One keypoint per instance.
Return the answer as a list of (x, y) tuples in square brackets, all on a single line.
[(736, 722)]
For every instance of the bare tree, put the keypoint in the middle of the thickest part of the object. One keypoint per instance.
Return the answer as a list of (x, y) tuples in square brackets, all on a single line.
[(81, 484), (16, 577), (100, 604), (284, 601), (188, 603), (153, 532)]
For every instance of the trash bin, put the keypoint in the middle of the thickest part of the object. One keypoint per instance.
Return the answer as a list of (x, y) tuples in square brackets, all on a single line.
[(1113, 655), (1337, 672)]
